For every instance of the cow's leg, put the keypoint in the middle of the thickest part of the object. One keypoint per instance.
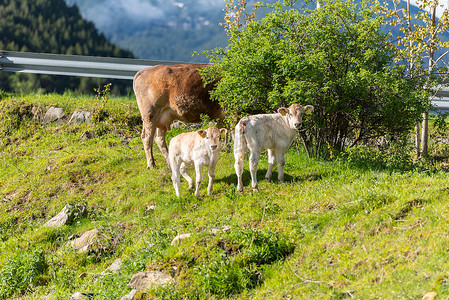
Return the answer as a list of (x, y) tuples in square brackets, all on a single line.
[(186, 176), (147, 137), (199, 178), (280, 157), (271, 163), (211, 174), (175, 177), (253, 161), (159, 138)]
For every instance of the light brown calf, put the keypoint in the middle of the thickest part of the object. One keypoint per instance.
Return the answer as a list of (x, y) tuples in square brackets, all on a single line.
[(165, 93), (199, 148)]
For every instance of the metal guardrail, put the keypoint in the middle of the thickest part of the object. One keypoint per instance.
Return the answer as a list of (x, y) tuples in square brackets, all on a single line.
[(106, 67), (74, 65)]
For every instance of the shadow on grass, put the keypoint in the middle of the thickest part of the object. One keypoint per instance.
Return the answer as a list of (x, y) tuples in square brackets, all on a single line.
[(246, 177)]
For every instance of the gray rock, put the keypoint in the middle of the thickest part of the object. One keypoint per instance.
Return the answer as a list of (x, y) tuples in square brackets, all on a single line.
[(114, 268), (80, 296), (226, 228), (85, 241), (179, 238), (144, 280), (54, 115), (38, 113), (130, 296), (79, 117), (66, 215)]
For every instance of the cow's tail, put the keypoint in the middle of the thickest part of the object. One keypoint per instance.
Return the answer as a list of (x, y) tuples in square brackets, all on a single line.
[(240, 140), (239, 150)]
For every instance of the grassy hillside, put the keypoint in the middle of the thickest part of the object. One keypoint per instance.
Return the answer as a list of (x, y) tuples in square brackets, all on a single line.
[(352, 227)]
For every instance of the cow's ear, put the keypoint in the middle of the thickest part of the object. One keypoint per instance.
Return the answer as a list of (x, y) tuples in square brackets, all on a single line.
[(283, 111), (309, 109), (223, 132), (202, 133)]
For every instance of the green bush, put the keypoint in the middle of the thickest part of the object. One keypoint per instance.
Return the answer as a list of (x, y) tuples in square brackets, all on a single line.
[(23, 272), (335, 58)]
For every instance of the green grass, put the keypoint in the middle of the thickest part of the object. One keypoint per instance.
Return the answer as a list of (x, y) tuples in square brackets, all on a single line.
[(357, 226)]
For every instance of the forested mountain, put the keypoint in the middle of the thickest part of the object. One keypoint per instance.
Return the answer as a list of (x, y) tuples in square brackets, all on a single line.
[(159, 29), (51, 26), (162, 29)]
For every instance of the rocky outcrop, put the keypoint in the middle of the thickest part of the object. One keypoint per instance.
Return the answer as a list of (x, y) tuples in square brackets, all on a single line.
[(66, 216), (85, 242)]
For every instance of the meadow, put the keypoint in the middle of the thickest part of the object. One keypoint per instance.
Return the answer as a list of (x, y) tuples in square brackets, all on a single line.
[(363, 225)]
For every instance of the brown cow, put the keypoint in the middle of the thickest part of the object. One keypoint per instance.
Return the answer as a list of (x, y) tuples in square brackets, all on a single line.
[(165, 93)]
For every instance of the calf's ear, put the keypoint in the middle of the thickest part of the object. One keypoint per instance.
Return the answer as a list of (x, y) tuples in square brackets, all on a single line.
[(309, 109), (223, 132), (202, 133), (283, 111)]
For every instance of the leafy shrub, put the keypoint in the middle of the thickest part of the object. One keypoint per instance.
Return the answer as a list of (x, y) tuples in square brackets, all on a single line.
[(396, 156), (335, 58), (23, 272), (107, 242)]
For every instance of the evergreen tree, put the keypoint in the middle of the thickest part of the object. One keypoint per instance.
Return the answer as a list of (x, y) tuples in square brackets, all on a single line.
[(50, 26)]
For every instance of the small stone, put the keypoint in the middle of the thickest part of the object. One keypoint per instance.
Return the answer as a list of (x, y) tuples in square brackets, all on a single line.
[(114, 268), (150, 207), (54, 115), (80, 296), (214, 231), (79, 117), (226, 228), (429, 296), (180, 237), (130, 295), (144, 280)]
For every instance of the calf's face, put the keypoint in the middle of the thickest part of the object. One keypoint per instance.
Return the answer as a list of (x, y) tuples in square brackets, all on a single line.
[(212, 137), (294, 114)]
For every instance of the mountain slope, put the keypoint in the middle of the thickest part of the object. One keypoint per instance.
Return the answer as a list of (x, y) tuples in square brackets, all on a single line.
[(159, 29)]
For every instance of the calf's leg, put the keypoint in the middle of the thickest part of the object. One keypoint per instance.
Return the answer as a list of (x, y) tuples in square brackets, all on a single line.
[(175, 177), (211, 174), (186, 176), (271, 163), (280, 157), (199, 178), (253, 162)]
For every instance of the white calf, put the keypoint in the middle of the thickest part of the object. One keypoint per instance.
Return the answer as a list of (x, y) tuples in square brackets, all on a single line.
[(274, 132), (199, 148)]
